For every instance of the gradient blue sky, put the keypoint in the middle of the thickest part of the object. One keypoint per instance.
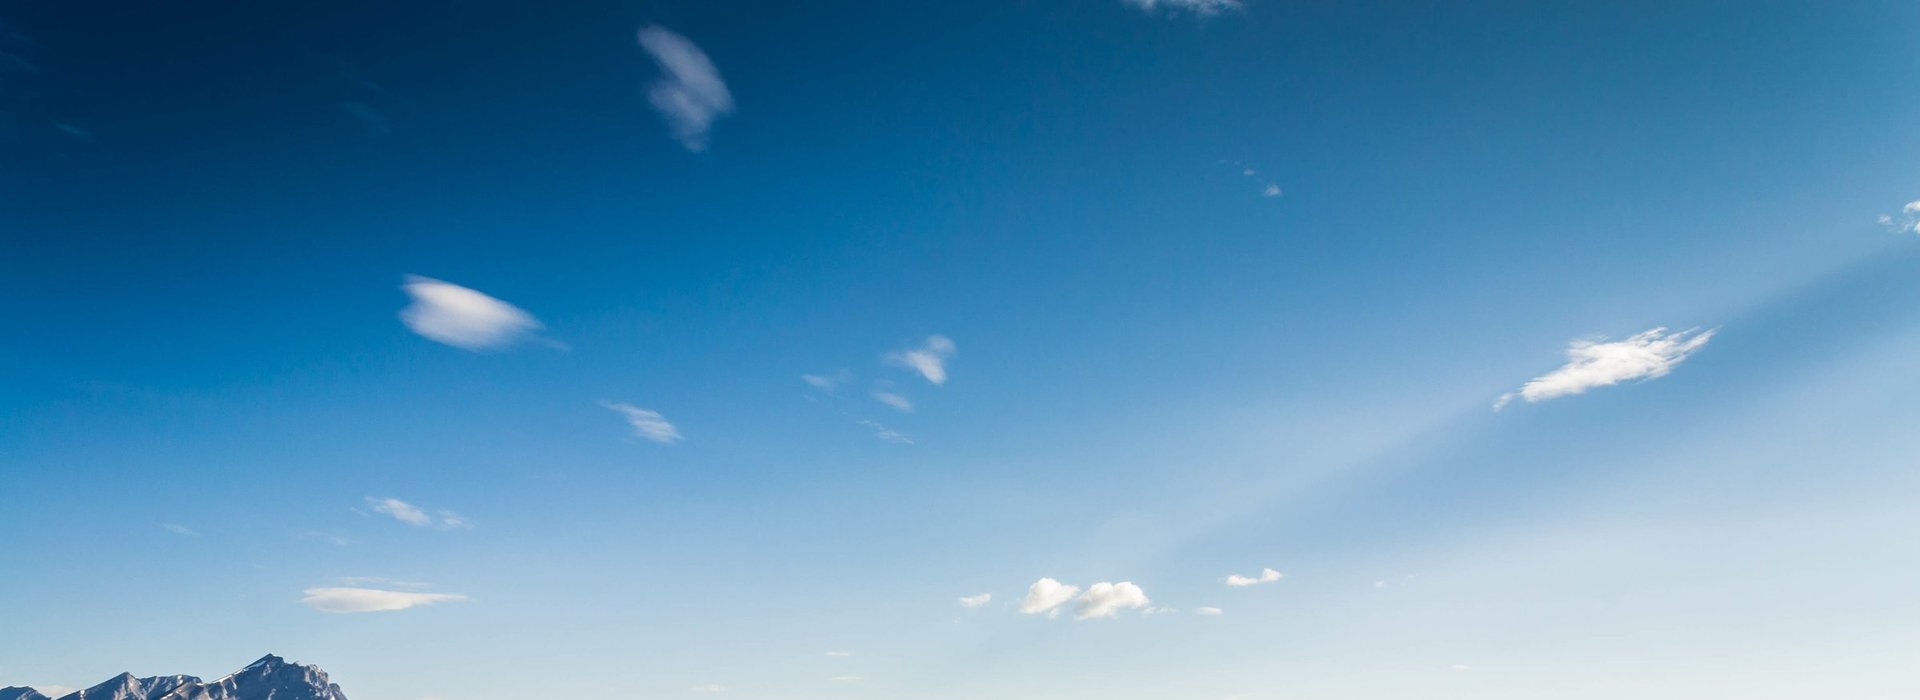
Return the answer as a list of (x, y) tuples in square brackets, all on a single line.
[(1161, 375)]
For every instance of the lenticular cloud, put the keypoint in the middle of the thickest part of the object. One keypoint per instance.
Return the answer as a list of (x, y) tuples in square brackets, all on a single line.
[(462, 317)]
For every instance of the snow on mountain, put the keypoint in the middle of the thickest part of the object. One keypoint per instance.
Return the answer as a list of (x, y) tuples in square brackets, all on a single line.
[(270, 678)]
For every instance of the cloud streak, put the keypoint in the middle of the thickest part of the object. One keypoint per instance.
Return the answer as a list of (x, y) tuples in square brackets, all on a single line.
[(360, 600), (1198, 7), (1597, 363), (689, 94), (646, 423), (414, 515), (464, 318)]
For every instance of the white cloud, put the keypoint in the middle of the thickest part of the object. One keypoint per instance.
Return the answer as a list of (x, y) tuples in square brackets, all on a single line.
[(461, 317), (1911, 208), (930, 360), (646, 423), (1461, 667), (896, 401), (847, 679), (1045, 595), (1271, 190), (1595, 363), (1207, 611), (827, 382), (1105, 599), (709, 688), (839, 654), (54, 691), (414, 515), (1266, 576), (180, 530), (886, 434), (974, 601), (1198, 7), (689, 93), (359, 600)]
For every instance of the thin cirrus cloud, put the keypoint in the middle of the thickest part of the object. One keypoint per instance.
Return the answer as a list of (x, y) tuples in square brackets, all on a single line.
[(1107, 600), (886, 434), (930, 359), (689, 94), (415, 515), (839, 654), (1597, 363), (1208, 611), (180, 530), (344, 600), (1265, 576), (1198, 7), (974, 601), (464, 318), (646, 423), (894, 401)]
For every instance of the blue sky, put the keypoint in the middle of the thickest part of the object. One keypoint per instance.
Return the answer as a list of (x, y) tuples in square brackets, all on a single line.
[(704, 350)]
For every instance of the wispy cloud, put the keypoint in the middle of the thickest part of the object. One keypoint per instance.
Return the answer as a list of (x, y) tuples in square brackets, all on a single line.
[(1598, 363), (464, 318), (930, 359), (1045, 596), (1208, 611), (359, 600), (1268, 188), (1265, 576), (827, 382), (839, 654), (893, 400), (414, 515), (709, 688), (974, 601), (180, 530), (1198, 7), (646, 423), (886, 434), (689, 93), (847, 679), (1105, 599)]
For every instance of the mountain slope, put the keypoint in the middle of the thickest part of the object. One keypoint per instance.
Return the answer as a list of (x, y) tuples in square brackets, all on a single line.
[(270, 678), (21, 692)]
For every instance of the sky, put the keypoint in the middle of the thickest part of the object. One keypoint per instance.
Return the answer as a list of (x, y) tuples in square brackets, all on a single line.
[(1071, 349)]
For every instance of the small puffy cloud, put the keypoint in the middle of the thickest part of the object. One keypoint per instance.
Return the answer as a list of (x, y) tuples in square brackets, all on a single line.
[(1911, 208), (414, 515), (886, 434), (646, 423), (1045, 595), (54, 691), (1198, 7), (974, 601), (1907, 222), (1266, 576), (1207, 612), (689, 93), (893, 400), (839, 654), (1108, 599), (930, 359), (709, 688), (1271, 190), (1461, 667), (180, 530), (359, 600), (461, 317), (1598, 363)]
